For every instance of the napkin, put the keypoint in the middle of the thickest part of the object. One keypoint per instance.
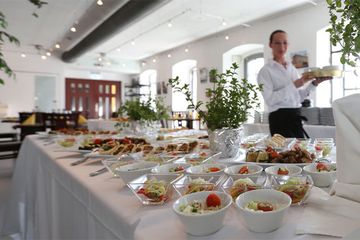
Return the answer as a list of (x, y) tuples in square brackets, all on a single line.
[(338, 215), (328, 215), (347, 120)]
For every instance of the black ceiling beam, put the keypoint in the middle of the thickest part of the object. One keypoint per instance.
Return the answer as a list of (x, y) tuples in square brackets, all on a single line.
[(130, 12)]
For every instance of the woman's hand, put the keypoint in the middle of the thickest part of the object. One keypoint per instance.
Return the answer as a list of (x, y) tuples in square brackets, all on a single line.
[(301, 81), (319, 80)]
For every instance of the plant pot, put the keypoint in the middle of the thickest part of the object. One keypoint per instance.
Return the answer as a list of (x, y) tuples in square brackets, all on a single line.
[(226, 141)]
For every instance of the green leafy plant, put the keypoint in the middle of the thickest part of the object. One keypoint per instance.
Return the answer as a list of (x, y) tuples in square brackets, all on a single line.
[(345, 28), (230, 100), (4, 36), (138, 110)]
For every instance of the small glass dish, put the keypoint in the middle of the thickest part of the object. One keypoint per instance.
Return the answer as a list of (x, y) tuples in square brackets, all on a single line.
[(68, 142), (323, 146), (200, 158), (297, 187), (208, 169), (234, 187), (113, 163), (153, 189), (197, 183)]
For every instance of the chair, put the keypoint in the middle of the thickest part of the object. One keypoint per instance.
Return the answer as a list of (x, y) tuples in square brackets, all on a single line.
[(29, 128), (9, 146), (57, 121)]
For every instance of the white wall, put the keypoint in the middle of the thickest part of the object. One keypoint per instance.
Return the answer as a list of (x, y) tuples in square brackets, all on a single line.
[(18, 93), (301, 27)]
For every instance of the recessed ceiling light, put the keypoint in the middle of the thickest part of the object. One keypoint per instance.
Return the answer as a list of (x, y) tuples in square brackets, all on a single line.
[(23, 55), (143, 63), (186, 50), (57, 45), (73, 29), (224, 23), (118, 49), (169, 55), (227, 37), (100, 59), (43, 57), (99, 2), (133, 43), (48, 53), (170, 24), (154, 60)]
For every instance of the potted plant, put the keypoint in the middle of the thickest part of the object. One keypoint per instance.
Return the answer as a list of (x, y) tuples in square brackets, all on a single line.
[(227, 108), (143, 116), (345, 28)]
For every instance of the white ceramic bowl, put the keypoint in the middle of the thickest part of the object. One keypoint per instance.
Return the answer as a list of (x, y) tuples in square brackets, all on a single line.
[(293, 170), (206, 169), (321, 179), (134, 170), (170, 168), (202, 224), (258, 221), (254, 171)]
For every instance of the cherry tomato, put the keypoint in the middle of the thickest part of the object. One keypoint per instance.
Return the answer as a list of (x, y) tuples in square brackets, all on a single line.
[(213, 200), (265, 206), (321, 167)]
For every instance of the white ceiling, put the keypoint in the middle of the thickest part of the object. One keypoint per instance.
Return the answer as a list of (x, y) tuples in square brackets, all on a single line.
[(190, 19)]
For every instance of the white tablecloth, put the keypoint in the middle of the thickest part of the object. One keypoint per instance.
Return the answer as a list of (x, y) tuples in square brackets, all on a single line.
[(52, 200), (314, 131)]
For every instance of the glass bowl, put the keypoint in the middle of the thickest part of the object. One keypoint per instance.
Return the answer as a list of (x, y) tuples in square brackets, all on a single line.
[(153, 189), (112, 163), (208, 168), (197, 183), (237, 186), (248, 170), (297, 187)]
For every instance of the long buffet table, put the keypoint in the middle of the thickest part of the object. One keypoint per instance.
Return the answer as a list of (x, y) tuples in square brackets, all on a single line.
[(50, 199)]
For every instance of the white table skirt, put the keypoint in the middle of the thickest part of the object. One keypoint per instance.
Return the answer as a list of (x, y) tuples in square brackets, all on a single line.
[(52, 200), (314, 131)]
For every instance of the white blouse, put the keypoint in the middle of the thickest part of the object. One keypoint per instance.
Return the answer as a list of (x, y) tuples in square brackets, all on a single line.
[(279, 90)]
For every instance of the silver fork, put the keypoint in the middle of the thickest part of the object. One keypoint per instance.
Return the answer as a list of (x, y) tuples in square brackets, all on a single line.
[(98, 172), (77, 162)]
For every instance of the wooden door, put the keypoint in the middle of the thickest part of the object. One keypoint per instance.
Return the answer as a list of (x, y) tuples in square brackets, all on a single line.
[(93, 98)]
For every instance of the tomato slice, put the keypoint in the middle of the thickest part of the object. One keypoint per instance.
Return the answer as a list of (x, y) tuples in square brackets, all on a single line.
[(213, 169), (244, 170), (282, 171), (321, 167), (265, 206)]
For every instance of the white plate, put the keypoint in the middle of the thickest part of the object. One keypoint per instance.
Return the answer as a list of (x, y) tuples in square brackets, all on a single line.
[(240, 159)]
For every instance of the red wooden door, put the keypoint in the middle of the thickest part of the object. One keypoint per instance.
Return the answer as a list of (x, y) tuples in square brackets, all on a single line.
[(93, 98)]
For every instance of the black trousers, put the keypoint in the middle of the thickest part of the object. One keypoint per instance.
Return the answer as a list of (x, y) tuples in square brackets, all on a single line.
[(287, 122)]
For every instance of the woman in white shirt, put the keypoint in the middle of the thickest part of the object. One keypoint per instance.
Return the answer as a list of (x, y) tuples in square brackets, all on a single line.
[(283, 90)]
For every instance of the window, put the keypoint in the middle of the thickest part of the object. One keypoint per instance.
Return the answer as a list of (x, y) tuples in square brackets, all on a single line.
[(252, 66), (187, 72), (148, 85)]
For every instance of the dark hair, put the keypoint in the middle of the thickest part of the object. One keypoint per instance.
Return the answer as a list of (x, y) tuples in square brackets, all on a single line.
[(275, 32)]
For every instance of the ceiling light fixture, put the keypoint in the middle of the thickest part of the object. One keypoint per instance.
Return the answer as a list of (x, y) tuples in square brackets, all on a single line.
[(186, 50), (154, 60), (99, 2), (73, 29), (48, 53), (23, 55), (57, 45), (227, 37), (169, 55), (143, 63), (168, 22), (43, 57), (224, 23)]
